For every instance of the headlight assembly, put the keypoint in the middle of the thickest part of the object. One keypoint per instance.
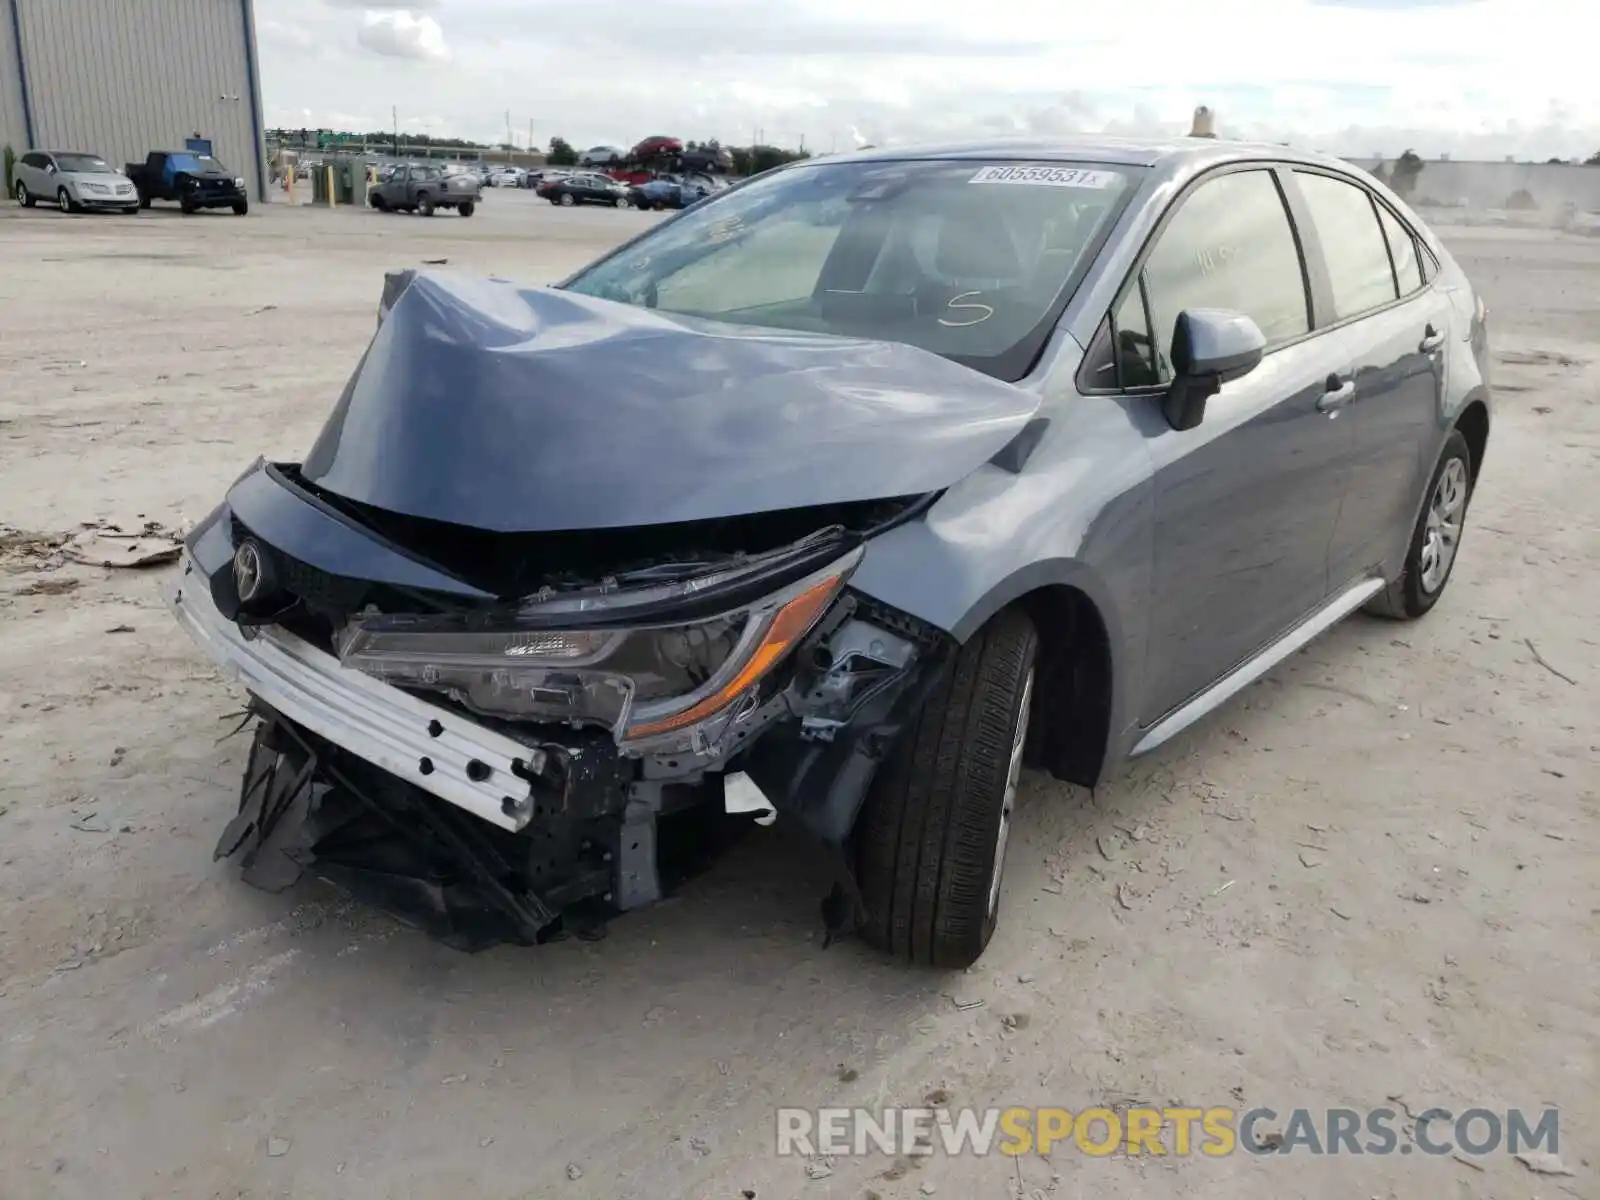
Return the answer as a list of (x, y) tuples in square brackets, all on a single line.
[(647, 683)]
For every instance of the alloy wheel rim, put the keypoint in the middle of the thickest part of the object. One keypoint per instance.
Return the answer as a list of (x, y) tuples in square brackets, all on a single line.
[(1009, 801), (64, 201), (1442, 532)]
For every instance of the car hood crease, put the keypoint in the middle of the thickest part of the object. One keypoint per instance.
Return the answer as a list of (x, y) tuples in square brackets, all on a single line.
[(513, 409)]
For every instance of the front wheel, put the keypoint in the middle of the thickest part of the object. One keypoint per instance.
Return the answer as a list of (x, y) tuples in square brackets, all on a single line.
[(425, 206), (24, 197), (1436, 538), (466, 208), (931, 839), (567, 200), (241, 207), (64, 202)]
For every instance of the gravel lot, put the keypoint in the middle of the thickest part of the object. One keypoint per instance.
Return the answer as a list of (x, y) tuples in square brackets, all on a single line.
[(1374, 876)]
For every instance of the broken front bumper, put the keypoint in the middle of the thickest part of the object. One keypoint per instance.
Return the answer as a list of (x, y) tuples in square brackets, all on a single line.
[(485, 773)]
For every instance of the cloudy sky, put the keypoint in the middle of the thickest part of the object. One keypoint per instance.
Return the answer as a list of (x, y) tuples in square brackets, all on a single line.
[(1473, 78)]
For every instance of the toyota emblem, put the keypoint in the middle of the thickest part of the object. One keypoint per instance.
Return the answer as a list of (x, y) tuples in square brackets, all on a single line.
[(248, 571)]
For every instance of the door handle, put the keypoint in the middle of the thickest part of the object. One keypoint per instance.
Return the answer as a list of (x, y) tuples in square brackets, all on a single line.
[(1339, 393), (1432, 339)]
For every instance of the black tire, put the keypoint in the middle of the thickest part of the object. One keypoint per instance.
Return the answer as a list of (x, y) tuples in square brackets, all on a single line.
[(241, 208), (377, 202), (24, 197), (425, 205), (189, 207), (928, 836), (467, 208), (65, 202), (144, 201), (1408, 597), (567, 200)]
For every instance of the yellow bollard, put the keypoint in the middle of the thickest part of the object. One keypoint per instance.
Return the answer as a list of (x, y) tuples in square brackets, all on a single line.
[(333, 197)]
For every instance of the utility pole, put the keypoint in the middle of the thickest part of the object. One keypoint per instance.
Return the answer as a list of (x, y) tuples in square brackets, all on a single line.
[(530, 137), (394, 114), (508, 137)]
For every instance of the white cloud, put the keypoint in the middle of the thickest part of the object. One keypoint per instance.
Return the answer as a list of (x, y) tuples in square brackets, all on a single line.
[(1485, 78), (403, 34)]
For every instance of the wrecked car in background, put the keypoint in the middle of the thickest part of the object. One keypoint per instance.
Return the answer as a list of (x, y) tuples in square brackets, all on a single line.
[(833, 501)]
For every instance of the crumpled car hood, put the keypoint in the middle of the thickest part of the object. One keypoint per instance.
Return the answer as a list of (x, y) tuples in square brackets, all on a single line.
[(513, 409)]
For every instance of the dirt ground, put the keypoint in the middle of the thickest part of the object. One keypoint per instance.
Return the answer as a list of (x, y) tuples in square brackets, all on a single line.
[(1374, 876)]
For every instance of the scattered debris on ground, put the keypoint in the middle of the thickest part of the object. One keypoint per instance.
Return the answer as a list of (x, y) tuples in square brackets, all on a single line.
[(109, 545)]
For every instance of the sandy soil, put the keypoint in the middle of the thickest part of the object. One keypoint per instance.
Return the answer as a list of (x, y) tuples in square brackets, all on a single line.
[(1374, 876)]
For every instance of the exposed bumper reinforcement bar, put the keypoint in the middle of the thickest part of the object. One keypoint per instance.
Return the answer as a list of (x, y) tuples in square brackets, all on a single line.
[(476, 769)]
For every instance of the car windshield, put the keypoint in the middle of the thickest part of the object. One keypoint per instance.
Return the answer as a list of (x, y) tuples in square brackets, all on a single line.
[(969, 259), (88, 164), (211, 164)]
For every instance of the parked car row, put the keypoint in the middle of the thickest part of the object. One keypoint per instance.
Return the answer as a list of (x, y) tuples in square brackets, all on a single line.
[(593, 187), (74, 181)]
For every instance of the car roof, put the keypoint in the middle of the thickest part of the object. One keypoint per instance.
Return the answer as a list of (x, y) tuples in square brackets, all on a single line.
[(83, 153), (1174, 152)]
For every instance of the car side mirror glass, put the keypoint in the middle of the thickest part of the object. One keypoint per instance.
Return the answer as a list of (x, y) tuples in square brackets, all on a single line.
[(1210, 347)]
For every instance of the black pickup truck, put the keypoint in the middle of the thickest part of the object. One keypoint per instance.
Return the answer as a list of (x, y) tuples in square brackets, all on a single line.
[(195, 181)]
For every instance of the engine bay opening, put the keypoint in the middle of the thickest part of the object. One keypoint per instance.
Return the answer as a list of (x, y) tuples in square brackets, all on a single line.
[(514, 565)]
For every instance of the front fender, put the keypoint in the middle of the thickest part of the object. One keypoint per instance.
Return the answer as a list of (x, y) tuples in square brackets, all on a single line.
[(1078, 516)]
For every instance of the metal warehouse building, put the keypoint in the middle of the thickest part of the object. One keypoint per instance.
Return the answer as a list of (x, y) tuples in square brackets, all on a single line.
[(120, 78)]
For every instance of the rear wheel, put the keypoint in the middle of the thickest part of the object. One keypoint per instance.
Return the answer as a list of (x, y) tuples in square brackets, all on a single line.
[(1436, 539), (377, 202), (931, 840)]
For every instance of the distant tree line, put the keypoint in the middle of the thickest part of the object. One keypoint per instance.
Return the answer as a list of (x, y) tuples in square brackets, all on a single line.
[(747, 160)]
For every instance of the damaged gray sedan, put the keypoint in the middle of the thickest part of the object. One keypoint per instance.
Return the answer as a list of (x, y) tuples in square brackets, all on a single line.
[(835, 501)]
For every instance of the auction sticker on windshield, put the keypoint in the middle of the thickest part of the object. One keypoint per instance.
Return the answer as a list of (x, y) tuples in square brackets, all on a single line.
[(1074, 177)]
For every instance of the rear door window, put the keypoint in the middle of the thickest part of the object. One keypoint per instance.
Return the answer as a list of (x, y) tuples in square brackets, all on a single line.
[(1352, 243), (1229, 246), (1403, 249)]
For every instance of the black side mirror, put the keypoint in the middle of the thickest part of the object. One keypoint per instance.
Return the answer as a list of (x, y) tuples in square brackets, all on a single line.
[(1210, 347)]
